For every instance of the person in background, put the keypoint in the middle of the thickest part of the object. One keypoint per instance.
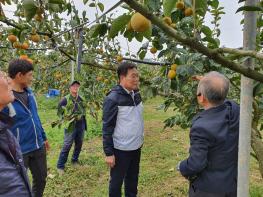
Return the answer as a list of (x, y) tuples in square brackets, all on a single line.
[(72, 104), (27, 127), (211, 166), (123, 131), (13, 175)]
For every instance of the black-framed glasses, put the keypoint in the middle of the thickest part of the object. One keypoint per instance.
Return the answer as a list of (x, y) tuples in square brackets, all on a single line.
[(199, 94)]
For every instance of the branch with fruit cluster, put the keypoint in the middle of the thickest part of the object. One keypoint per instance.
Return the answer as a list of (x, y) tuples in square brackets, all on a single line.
[(194, 43)]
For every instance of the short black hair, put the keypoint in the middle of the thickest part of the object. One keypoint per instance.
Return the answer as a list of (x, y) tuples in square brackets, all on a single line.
[(19, 65), (74, 82), (124, 67)]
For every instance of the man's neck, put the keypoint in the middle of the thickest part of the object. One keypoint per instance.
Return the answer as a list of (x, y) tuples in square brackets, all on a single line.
[(125, 88), (17, 87), (1, 107), (209, 106), (74, 95)]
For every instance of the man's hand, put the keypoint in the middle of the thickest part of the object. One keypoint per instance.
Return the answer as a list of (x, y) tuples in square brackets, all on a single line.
[(197, 77), (110, 160), (47, 146)]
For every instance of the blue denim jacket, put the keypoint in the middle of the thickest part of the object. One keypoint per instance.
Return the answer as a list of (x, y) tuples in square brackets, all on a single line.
[(27, 127)]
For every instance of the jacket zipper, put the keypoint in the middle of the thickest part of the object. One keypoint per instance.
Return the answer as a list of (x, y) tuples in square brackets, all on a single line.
[(32, 121), (133, 98)]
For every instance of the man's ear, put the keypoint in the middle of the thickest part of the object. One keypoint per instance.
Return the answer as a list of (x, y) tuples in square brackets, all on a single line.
[(18, 75), (204, 99), (121, 77)]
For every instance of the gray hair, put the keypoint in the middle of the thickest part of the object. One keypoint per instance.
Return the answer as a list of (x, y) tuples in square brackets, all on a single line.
[(214, 87)]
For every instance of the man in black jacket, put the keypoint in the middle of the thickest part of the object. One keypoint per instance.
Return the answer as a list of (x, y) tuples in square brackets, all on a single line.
[(123, 131), (13, 175), (212, 164)]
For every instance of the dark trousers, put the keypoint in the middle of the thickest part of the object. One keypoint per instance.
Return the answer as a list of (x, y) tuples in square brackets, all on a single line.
[(126, 169), (69, 137), (193, 192), (36, 161)]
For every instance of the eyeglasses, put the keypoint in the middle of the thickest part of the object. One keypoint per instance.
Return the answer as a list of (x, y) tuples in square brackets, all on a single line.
[(199, 94)]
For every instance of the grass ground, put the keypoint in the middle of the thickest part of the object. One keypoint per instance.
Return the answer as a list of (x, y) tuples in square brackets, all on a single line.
[(161, 152)]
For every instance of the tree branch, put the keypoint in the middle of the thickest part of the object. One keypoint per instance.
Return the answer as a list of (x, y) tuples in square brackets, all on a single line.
[(147, 62), (93, 64), (239, 52), (8, 22), (194, 44)]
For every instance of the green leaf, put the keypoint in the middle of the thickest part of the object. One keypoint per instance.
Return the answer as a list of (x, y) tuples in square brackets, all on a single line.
[(168, 6), (258, 89), (54, 7), (92, 5), (101, 6), (249, 8), (56, 1), (148, 33), (139, 37), (118, 25), (213, 3), (69, 8), (98, 30), (213, 41), (129, 35), (8, 2), (206, 30), (85, 2), (153, 5), (201, 7), (84, 14), (142, 54), (30, 8)]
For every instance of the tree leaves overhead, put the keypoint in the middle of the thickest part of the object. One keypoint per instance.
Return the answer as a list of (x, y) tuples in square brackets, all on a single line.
[(153, 5), (101, 6), (98, 30), (118, 25), (249, 8), (56, 1), (201, 7), (168, 6), (30, 9)]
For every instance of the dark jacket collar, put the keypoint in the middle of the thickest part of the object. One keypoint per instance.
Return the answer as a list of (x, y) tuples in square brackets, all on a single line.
[(120, 90), (213, 110), (209, 111), (5, 121)]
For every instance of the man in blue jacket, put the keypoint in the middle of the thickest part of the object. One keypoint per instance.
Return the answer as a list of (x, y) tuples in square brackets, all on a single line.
[(123, 131), (13, 175), (212, 164), (27, 126)]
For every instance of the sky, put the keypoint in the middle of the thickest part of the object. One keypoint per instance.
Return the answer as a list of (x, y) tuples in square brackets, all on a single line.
[(231, 30)]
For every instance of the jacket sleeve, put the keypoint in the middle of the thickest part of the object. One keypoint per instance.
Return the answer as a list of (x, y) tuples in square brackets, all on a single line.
[(197, 160), (110, 111)]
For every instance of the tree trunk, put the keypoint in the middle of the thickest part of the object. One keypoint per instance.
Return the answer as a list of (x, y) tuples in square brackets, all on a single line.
[(246, 99)]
